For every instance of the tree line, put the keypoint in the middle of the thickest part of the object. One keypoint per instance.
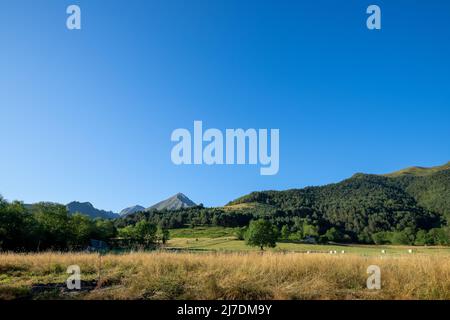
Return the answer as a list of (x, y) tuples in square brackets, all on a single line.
[(49, 226)]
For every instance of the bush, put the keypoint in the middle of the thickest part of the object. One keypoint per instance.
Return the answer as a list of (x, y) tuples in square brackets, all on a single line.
[(438, 236), (240, 233), (400, 237), (422, 238), (381, 237)]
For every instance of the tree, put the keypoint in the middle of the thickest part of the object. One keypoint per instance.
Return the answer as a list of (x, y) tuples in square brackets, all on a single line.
[(104, 229), (332, 234), (310, 230), (81, 227), (163, 234), (438, 236), (285, 232), (142, 234), (17, 227), (53, 224), (145, 233), (400, 237), (261, 233), (421, 238), (126, 232), (410, 233)]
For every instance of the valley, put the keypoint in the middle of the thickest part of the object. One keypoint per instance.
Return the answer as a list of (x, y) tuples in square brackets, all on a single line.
[(322, 241)]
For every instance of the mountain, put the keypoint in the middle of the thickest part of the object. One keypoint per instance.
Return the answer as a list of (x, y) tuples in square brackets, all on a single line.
[(175, 202), (88, 209), (365, 203), (131, 210), (355, 209)]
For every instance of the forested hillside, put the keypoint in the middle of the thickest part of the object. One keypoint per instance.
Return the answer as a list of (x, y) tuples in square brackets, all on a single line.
[(399, 208), (407, 207), (362, 205), (430, 187)]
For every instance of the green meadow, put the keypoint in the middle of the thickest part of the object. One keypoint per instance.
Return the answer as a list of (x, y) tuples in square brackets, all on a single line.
[(224, 239)]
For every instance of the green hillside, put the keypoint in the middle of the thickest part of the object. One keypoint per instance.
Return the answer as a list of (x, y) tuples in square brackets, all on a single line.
[(430, 188), (415, 189), (354, 209), (362, 205), (419, 171)]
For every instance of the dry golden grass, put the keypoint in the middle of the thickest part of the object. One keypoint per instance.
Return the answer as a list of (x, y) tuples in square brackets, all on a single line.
[(227, 276)]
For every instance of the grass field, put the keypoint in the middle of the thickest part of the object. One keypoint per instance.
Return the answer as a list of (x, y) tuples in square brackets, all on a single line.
[(223, 239), (202, 232), (209, 263), (246, 275), (231, 244)]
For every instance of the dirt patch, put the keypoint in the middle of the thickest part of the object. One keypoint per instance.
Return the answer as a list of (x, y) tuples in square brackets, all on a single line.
[(60, 290)]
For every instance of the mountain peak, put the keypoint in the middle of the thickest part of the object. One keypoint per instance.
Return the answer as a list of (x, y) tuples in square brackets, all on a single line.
[(175, 202), (130, 210), (88, 209), (181, 196), (78, 203)]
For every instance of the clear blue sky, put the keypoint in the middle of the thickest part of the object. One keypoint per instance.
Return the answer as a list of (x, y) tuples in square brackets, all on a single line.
[(87, 115)]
